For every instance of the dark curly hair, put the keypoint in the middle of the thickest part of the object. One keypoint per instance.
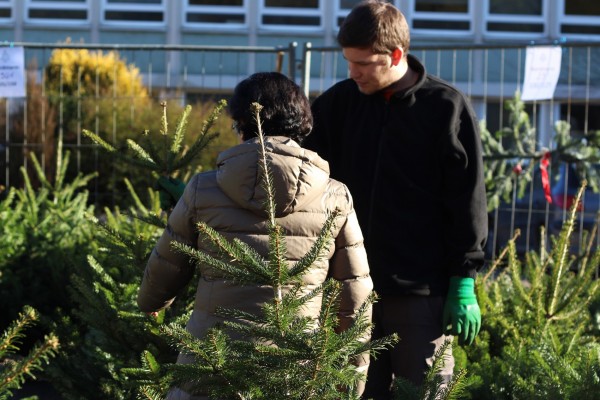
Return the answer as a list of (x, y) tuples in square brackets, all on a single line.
[(285, 112)]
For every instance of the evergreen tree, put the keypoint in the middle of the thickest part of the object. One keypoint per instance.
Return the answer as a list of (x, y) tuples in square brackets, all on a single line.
[(167, 154), (538, 341), (280, 353), (103, 294), (104, 331), (46, 236)]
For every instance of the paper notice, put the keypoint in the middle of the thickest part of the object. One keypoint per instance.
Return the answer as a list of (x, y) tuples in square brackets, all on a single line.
[(542, 68), (12, 72)]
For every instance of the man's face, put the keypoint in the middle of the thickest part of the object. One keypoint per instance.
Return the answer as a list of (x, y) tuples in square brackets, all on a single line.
[(371, 72)]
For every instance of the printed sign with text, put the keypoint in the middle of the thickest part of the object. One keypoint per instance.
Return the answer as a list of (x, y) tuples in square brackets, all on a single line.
[(542, 68), (12, 72)]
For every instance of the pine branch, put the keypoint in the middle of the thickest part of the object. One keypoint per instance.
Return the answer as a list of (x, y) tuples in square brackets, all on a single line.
[(13, 375), (515, 271), (560, 252), (14, 333), (228, 269), (179, 135), (149, 393), (143, 158), (150, 219), (237, 251), (203, 138)]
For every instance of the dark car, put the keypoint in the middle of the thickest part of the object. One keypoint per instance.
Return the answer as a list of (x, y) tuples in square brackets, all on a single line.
[(528, 213), (564, 190), (532, 211)]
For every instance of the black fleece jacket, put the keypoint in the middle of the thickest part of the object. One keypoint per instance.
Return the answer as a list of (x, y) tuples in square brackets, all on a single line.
[(414, 168)]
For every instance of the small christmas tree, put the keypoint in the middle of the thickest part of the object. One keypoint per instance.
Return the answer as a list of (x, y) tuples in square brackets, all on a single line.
[(103, 330), (281, 353), (167, 155), (538, 341)]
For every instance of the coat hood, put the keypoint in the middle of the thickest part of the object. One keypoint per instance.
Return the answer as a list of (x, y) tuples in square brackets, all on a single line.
[(298, 175)]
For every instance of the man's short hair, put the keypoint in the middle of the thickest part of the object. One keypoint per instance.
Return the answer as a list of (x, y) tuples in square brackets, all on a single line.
[(376, 25)]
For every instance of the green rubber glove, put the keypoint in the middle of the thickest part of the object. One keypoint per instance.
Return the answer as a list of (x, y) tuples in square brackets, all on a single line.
[(170, 190), (462, 316)]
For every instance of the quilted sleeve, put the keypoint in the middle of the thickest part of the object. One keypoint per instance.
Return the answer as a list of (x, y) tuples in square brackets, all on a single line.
[(167, 270), (349, 266)]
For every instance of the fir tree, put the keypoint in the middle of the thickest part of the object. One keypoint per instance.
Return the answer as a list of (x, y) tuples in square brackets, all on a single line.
[(104, 330), (46, 235), (167, 155), (281, 353), (103, 294), (538, 325)]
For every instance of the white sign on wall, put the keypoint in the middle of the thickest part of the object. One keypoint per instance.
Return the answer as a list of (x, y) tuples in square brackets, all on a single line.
[(542, 68), (12, 72)]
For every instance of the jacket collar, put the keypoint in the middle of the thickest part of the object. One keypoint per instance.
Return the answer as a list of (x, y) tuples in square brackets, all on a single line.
[(408, 95)]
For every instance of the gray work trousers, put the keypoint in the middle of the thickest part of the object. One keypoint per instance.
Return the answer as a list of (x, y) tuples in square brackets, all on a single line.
[(418, 322)]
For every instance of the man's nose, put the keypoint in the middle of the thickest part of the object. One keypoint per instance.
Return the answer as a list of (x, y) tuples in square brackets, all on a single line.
[(354, 71)]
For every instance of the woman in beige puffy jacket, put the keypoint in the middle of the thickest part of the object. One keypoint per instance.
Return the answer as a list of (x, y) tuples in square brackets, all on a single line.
[(231, 200)]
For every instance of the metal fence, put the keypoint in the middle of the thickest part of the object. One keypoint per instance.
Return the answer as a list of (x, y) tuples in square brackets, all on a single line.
[(182, 74), (488, 74)]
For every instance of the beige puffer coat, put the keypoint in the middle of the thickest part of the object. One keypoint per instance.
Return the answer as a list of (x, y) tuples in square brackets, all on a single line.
[(231, 200)]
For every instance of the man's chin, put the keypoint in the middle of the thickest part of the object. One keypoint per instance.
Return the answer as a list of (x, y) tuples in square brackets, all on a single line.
[(365, 90)]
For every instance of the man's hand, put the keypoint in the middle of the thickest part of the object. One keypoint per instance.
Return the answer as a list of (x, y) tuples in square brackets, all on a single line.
[(170, 190), (462, 316)]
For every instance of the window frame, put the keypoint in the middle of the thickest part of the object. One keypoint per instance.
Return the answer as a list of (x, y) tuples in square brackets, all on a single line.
[(122, 5), (580, 20), (542, 19), (340, 13), (468, 17), (8, 5), (83, 5), (318, 12), (215, 10)]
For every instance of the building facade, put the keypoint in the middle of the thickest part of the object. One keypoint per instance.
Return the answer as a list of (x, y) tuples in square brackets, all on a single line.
[(487, 76), (255, 22)]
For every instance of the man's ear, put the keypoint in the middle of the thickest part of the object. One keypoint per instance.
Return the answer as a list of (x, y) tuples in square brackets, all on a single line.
[(397, 56)]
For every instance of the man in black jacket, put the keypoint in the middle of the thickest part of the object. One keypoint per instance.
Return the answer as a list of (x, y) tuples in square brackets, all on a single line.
[(407, 145)]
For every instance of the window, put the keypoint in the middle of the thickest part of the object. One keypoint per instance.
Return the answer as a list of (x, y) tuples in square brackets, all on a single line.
[(342, 9), (138, 12), (215, 13), (6, 10), (294, 14), (525, 18), (584, 118), (57, 11), (449, 16), (580, 17)]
